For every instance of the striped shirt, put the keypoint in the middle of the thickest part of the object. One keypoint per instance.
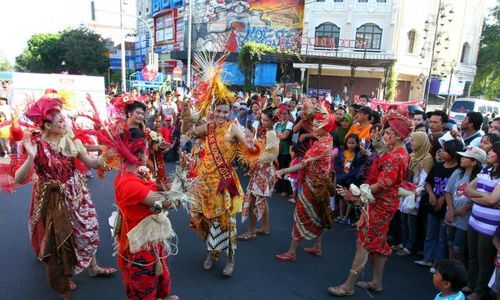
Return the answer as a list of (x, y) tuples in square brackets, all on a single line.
[(485, 219)]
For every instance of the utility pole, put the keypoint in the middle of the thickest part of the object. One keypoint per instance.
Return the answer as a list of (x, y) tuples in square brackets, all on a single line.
[(123, 67), (190, 28)]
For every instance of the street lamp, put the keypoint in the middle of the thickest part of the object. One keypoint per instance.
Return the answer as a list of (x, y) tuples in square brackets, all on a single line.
[(151, 42), (439, 38)]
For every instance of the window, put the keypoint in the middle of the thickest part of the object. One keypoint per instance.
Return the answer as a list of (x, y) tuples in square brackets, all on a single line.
[(165, 28), (338, 0), (465, 53), (369, 36), (327, 35), (411, 41), (381, 1), (320, 0), (362, 1)]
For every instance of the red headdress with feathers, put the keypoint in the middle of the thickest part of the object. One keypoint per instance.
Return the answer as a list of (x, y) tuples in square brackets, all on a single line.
[(44, 110), (327, 120), (126, 145)]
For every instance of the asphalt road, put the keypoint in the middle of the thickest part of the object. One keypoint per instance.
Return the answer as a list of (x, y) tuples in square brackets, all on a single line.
[(256, 276)]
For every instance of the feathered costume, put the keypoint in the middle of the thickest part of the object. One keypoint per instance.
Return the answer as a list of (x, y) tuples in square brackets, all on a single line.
[(63, 225), (218, 192)]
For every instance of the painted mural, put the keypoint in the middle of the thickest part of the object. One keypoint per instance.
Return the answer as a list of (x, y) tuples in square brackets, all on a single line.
[(225, 25)]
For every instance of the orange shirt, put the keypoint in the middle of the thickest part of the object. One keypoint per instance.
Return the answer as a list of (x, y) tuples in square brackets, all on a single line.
[(362, 132)]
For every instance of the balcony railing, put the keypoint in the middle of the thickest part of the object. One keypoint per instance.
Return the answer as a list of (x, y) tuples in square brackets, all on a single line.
[(344, 53)]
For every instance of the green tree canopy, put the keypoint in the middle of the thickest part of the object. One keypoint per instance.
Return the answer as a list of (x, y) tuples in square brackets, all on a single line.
[(5, 65), (487, 81), (82, 51)]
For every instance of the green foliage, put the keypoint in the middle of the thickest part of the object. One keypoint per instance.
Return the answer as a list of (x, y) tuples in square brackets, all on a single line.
[(5, 65), (250, 54), (82, 50), (487, 81), (390, 92), (40, 54)]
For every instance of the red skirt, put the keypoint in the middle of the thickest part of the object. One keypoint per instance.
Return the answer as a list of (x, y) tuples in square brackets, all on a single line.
[(373, 227), (140, 278)]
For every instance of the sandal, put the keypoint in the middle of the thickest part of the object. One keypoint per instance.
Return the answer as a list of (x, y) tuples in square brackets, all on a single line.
[(228, 269), (173, 297), (285, 257), (403, 252), (262, 231), (313, 251), (340, 291), (98, 271), (246, 236), (72, 284), (369, 286), (209, 262)]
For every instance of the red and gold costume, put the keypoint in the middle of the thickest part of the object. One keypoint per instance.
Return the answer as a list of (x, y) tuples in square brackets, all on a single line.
[(312, 212), (218, 199), (144, 272)]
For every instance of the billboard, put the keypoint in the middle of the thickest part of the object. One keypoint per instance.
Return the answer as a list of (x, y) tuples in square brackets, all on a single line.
[(227, 25), (31, 86)]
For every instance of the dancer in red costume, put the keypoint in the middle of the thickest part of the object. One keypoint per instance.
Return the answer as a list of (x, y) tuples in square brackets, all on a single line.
[(312, 212), (144, 230), (62, 219), (386, 177)]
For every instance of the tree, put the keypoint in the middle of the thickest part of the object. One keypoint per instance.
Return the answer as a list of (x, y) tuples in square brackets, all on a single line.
[(82, 50), (5, 65), (40, 54), (250, 54), (390, 91), (487, 81)]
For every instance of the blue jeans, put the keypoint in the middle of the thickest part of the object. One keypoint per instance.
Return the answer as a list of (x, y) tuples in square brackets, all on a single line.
[(457, 239), (408, 230), (435, 239)]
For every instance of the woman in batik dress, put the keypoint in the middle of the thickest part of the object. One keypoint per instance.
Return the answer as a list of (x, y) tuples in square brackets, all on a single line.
[(312, 212), (262, 180), (385, 178), (63, 226)]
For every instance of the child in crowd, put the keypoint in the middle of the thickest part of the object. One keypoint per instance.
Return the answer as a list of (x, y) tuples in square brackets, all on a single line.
[(435, 238), (349, 166), (488, 140), (458, 205), (293, 177), (450, 278)]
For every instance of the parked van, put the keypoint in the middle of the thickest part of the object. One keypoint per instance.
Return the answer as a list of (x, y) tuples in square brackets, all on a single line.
[(462, 106)]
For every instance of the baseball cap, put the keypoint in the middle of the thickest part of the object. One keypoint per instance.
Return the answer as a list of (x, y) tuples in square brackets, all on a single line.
[(474, 152), (243, 106), (168, 118), (236, 105)]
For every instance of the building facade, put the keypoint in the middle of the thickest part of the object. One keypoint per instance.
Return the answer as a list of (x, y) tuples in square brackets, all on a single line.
[(350, 45)]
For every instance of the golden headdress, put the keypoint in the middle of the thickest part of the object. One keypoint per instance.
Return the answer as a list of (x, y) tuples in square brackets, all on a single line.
[(210, 91)]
